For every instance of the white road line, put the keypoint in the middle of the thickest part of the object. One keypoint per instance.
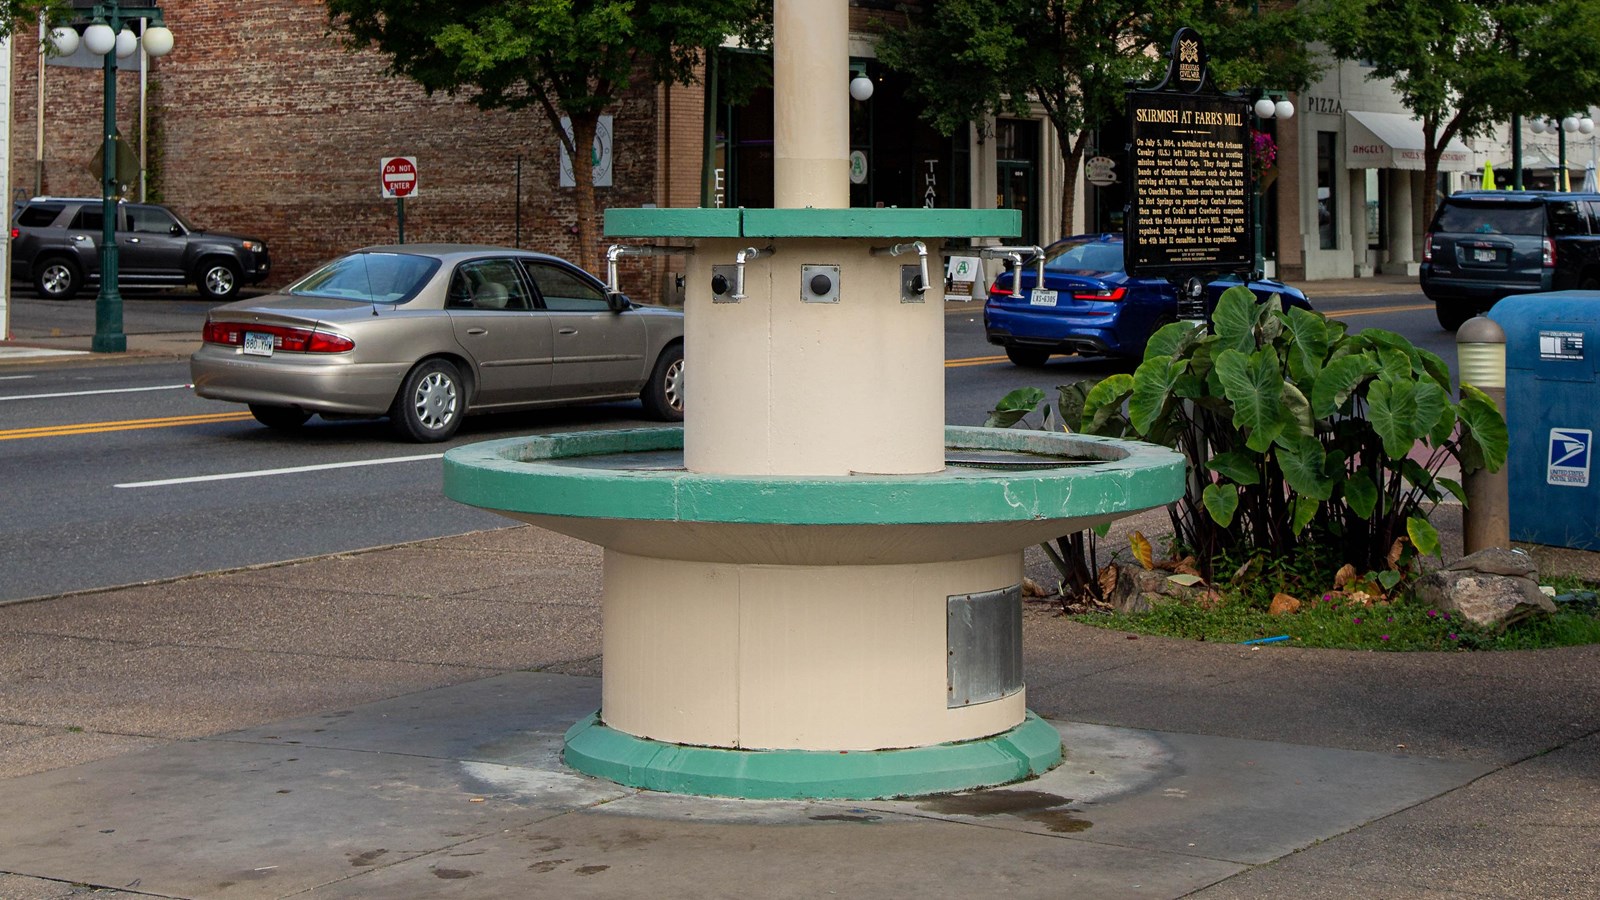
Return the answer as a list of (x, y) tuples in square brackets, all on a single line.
[(159, 387), (16, 377), (263, 473)]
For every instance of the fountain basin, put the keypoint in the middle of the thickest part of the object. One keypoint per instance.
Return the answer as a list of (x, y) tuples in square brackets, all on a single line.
[(625, 491)]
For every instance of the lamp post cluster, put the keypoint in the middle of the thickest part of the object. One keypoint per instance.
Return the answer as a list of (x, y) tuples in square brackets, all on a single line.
[(1265, 107), (1567, 125), (109, 35)]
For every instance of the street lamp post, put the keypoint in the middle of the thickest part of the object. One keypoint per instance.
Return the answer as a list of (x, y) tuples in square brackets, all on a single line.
[(1265, 108), (1567, 125), (110, 37)]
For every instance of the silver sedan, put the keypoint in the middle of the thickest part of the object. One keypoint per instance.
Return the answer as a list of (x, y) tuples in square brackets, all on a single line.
[(428, 333)]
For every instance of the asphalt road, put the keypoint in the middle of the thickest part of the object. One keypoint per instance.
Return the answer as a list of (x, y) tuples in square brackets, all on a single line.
[(115, 473)]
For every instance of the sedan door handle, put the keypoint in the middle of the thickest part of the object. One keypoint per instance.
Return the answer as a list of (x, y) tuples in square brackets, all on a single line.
[(568, 331), (477, 331)]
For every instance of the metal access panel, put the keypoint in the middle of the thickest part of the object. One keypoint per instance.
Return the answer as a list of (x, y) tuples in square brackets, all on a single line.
[(723, 280), (983, 637), (819, 284), (911, 286)]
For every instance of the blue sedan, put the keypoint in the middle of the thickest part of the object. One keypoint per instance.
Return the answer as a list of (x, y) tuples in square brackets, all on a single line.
[(1090, 305)]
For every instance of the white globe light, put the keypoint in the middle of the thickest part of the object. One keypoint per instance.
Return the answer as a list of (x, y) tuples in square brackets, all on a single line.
[(1569, 124), (65, 40), (861, 88), (1265, 108), (99, 38), (158, 40), (1284, 109), (1586, 125), (127, 44), (1537, 126)]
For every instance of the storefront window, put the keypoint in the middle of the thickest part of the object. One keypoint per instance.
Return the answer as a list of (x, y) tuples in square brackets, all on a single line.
[(1327, 192)]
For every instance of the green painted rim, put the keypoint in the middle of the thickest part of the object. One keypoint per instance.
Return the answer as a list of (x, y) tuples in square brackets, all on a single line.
[(1026, 751), (527, 475), (810, 222)]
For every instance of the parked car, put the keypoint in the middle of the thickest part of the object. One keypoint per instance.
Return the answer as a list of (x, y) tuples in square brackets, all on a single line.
[(1485, 245), (1090, 305), (428, 333), (55, 244)]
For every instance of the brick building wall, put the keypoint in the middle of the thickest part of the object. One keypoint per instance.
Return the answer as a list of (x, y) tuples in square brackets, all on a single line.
[(260, 123)]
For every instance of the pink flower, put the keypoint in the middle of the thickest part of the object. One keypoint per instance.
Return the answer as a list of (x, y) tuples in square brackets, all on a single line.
[(1384, 637), (1453, 636), (1356, 620), (1433, 613)]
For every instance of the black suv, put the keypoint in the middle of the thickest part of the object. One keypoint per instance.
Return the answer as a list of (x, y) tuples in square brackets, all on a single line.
[(55, 243), (1485, 245)]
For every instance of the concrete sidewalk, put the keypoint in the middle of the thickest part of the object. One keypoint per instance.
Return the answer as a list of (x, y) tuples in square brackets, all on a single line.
[(387, 724)]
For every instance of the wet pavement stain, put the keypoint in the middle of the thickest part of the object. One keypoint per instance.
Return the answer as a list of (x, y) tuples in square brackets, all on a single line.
[(590, 870), (452, 873), (368, 858), (841, 817), (1034, 806), (547, 865)]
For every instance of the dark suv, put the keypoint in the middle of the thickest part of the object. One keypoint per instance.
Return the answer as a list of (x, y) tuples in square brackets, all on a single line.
[(55, 243), (1485, 245)]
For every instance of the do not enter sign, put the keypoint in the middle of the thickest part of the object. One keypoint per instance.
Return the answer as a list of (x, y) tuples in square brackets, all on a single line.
[(397, 176)]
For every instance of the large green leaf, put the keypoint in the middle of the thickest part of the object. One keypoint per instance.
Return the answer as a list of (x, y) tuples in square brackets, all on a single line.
[(1305, 509), (1104, 403), (1170, 339), (1013, 406), (1297, 410), (1310, 347), (1432, 406), (1337, 381), (1423, 536), (1221, 501), (1153, 382), (1435, 368), (1234, 320), (1300, 458), (1070, 402), (1361, 494), (1392, 411), (1254, 385), (1484, 427), (1237, 466)]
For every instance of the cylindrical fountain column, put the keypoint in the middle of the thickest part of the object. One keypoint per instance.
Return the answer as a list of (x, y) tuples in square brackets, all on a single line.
[(810, 118)]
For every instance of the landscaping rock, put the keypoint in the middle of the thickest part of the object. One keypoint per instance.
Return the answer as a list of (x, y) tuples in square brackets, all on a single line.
[(1498, 561), (1283, 605), (1139, 590), (1491, 589)]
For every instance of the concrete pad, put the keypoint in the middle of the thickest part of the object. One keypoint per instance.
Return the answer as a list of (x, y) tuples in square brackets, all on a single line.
[(458, 791), (26, 749), (799, 852)]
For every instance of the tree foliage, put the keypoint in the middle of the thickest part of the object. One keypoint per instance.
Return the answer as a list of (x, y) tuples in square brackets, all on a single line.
[(969, 60), (1462, 66), (573, 58)]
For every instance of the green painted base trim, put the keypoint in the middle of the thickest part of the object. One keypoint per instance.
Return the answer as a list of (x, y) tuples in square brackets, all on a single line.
[(1027, 751), (810, 222)]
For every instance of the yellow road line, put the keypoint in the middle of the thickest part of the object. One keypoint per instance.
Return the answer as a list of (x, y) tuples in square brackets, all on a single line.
[(1374, 310), (124, 425), (973, 361)]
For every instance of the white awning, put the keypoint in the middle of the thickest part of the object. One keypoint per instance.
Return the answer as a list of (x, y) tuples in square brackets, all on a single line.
[(1374, 140)]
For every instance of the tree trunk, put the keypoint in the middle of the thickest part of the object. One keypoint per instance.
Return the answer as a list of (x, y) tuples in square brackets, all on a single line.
[(1430, 183), (581, 151), (1073, 159)]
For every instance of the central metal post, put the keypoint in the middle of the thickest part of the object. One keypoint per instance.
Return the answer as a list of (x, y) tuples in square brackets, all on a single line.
[(810, 109)]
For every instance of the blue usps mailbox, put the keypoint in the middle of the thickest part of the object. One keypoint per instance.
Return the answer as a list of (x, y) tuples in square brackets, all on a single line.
[(1553, 414)]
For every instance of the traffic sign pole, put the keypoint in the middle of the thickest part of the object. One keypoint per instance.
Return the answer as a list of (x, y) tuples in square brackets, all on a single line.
[(397, 178), (400, 217)]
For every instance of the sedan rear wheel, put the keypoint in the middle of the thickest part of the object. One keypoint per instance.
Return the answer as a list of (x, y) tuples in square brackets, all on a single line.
[(1028, 357), (663, 394), (283, 418), (430, 403)]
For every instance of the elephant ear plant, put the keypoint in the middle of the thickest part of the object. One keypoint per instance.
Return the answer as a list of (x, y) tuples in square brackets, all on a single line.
[(1302, 440)]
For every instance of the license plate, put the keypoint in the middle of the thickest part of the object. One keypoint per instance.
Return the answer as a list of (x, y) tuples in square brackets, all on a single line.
[(1042, 298), (1483, 255), (257, 343)]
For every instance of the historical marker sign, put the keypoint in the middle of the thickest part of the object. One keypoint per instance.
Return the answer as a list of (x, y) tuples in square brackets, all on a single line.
[(1188, 180)]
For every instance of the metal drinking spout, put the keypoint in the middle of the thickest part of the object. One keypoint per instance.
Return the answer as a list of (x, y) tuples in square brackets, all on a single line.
[(739, 259), (618, 251), (922, 258), (1015, 254)]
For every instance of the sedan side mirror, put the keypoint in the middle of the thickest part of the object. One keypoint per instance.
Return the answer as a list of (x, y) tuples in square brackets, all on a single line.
[(617, 301), (175, 230)]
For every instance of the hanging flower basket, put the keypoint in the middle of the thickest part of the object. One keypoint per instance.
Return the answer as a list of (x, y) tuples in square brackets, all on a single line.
[(1263, 152)]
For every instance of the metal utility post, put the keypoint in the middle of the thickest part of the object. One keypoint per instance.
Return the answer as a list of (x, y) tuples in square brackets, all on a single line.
[(1481, 357), (1516, 152), (109, 37)]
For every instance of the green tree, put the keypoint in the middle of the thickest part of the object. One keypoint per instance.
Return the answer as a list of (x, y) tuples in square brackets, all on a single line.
[(969, 60), (572, 58), (1464, 65)]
